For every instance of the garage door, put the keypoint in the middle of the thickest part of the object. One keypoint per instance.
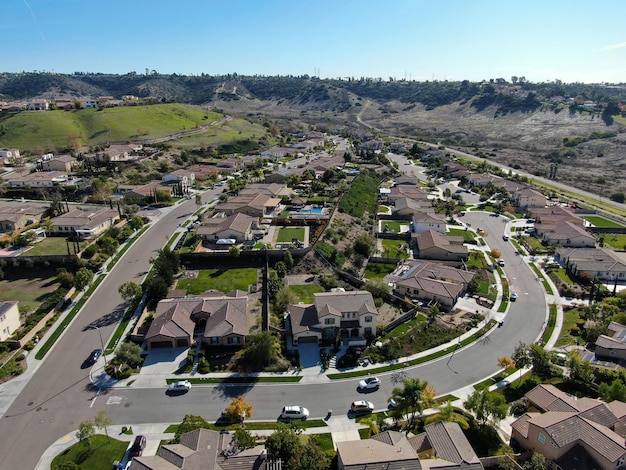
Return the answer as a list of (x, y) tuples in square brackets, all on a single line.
[(307, 339), (160, 344)]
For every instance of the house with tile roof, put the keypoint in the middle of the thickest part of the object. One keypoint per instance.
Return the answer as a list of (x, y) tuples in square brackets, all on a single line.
[(528, 197), (406, 208), (554, 215), (403, 191), (436, 246), (9, 319), (565, 234), (441, 446), (143, 192), (18, 215), (348, 315), (64, 163), (221, 318), (423, 221), (254, 205), (612, 345), (237, 226), (85, 222), (41, 179), (202, 449), (572, 433), (185, 178), (598, 263), (430, 282)]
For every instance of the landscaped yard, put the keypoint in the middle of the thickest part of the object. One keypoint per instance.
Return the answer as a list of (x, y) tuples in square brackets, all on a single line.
[(476, 260), (378, 270), (30, 293), (394, 226), (305, 292), (287, 234), (615, 240), (223, 280), (560, 275), (600, 221), (384, 210), (395, 249), (52, 246), (104, 452), (570, 319)]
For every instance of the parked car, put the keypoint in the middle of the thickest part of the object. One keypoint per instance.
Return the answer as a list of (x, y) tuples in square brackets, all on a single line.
[(294, 412), (513, 296), (137, 448), (361, 406), (179, 387), (371, 383), (94, 356), (505, 238), (501, 262)]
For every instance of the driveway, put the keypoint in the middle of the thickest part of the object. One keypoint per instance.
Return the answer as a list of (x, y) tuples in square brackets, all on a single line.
[(309, 355)]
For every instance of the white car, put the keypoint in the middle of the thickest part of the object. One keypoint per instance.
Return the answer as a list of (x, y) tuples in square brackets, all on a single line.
[(294, 412), (371, 383), (180, 386), (513, 297)]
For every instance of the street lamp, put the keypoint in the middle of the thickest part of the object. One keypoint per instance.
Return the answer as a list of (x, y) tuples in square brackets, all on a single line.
[(101, 342)]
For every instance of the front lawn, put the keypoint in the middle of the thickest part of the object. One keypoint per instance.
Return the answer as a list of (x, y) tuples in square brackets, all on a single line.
[(287, 234), (476, 260), (569, 331), (104, 452), (377, 271), (305, 292), (467, 235), (223, 280)]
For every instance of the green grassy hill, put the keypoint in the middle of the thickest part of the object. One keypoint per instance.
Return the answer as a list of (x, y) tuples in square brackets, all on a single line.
[(55, 131)]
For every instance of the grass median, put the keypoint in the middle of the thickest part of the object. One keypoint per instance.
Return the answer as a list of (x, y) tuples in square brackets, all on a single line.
[(240, 380)]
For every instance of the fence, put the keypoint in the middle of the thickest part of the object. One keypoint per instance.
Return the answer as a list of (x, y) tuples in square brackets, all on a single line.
[(410, 315)]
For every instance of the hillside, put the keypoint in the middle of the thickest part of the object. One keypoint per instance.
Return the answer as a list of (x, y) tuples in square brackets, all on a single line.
[(522, 124)]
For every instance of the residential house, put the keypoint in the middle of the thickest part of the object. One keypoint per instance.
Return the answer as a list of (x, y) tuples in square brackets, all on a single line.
[(271, 189), (433, 245), (123, 152), (237, 226), (442, 445), (612, 346), (230, 164), (9, 156), (144, 192), (597, 263), (565, 234), (434, 283), (15, 216), (221, 318), (85, 222), (64, 163), (88, 103), (553, 215), (403, 191), (40, 179), (349, 314), (572, 433), (528, 197), (482, 179), (38, 105), (423, 221), (406, 180), (259, 205), (203, 449), (184, 178), (204, 172), (406, 208), (9, 319), (281, 176)]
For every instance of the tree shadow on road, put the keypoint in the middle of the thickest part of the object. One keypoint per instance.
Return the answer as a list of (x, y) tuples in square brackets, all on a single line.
[(108, 319), (240, 386)]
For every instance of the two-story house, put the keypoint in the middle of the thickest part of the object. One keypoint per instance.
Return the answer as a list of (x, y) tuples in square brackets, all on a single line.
[(345, 314), (9, 319)]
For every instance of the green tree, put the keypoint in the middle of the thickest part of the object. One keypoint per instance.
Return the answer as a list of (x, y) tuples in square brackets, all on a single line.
[(190, 423), (414, 397), (129, 354), (540, 359), (447, 413), (84, 433), (243, 439), (580, 371), (536, 462), (311, 457), (364, 244), (102, 421), (234, 251), (108, 245), (82, 278), (616, 390), (521, 356), (261, 350), (487, 406), (129, 291), (65, 279), (284, 298), (377, 288), (288, 260), (285, 444)]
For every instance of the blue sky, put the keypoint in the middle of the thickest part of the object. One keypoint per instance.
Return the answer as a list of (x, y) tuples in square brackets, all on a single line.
[(543, 40)]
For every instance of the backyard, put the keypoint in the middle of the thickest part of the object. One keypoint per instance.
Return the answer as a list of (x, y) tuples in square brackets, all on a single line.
[(52, 246), (394, 226), (288, 234), (377, 271), (304, 292), (224, 280), (395, 249), (615, 240), (31, 292), (599, 221)]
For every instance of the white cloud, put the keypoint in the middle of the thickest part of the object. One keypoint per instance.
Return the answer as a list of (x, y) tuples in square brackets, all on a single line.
[(619, 45)]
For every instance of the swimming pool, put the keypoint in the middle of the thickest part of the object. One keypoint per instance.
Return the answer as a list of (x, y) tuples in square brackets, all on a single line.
[(312, 210)]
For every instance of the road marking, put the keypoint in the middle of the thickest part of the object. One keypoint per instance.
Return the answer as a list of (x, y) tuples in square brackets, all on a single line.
[(93, 400), (114, 400)]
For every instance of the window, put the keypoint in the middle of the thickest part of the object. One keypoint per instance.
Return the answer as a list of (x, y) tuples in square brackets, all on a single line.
[(367, 331), (214, 340), (541, 438), (368, 319), (233, 340), (329, 321)]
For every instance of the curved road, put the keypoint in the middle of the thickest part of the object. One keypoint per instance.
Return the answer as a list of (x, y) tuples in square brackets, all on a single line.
[(59, 396)]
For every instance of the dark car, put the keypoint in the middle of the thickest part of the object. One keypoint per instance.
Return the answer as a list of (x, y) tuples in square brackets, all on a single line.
[(94, 356), (137, 448)]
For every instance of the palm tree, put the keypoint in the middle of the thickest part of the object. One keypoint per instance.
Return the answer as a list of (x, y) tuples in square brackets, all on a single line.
[(448, 413), (414, 397)]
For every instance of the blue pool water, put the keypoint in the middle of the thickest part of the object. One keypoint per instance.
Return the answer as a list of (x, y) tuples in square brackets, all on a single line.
[(313, 210)]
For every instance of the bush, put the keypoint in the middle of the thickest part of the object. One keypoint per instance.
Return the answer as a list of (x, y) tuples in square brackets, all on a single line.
[(519, 407)]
